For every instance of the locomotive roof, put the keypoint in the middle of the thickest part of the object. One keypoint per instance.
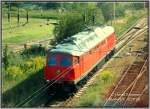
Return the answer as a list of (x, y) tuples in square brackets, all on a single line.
[(83, 41)]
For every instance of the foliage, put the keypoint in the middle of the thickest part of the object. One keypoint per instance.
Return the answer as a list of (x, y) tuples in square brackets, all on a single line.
[(107, 15), (5, 57), (76, 21), (106, 76), (38, 62), (138, 6), (108, 10), (69, 25), (92, 96), (34, 50), (13, 71), (20, 67), (120, 9), (93, 16)]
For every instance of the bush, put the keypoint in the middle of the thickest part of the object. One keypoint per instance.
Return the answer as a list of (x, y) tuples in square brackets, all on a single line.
[(138, 6), (38, 62), (28, 66), (34, 50), (13, 71), (106, 76)]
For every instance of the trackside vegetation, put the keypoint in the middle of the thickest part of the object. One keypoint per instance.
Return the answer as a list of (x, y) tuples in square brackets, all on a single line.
[(19, 67), (22, 71), (95, 93)]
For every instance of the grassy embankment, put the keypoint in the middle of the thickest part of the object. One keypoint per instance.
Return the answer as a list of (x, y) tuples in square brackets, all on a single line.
[(39, 27), (95, 95), (36, 29)]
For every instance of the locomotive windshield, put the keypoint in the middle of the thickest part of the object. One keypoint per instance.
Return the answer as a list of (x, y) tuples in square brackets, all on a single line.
[(52, 61), (65, 61)]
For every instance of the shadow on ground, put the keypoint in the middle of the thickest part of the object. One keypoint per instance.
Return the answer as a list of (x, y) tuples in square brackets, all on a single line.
[(24, 89)]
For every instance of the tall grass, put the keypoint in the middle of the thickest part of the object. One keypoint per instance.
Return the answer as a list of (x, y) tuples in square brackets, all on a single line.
[(95, 93), (20, 67), (23, 76), (36, 29)]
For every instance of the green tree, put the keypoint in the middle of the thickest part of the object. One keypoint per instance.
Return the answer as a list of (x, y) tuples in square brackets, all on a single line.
[(78, 19), (138, 6), (69, 25), (108, 10)]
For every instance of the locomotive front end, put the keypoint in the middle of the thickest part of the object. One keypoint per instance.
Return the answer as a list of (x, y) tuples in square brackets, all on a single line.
[(59, 68)]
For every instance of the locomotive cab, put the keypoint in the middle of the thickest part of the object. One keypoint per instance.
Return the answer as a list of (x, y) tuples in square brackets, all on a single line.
[(61, 67)]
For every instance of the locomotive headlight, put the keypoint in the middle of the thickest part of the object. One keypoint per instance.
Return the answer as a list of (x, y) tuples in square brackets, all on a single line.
[(58, 72)]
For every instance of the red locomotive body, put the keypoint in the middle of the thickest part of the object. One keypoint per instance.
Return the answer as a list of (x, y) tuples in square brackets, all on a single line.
[(76, 56)]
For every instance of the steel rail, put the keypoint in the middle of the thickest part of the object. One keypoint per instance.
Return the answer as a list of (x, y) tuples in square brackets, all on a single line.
[(135, 80), (132, 88), (146, 87)]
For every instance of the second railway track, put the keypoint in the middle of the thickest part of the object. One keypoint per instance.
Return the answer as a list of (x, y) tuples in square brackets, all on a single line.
[(131, 86)]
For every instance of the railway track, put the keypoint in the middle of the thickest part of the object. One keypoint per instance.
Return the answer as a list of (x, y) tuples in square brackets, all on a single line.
[(120, 45), (131, 87)]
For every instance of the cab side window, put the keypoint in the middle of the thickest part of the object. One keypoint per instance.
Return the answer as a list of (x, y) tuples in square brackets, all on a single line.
[(76, 61)]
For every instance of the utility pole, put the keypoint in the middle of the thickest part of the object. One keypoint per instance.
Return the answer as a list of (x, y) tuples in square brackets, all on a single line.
[(27, 15), (41, 10), (9, 12), (85, 16), (114, 13), (93, 17), (18, 15)]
